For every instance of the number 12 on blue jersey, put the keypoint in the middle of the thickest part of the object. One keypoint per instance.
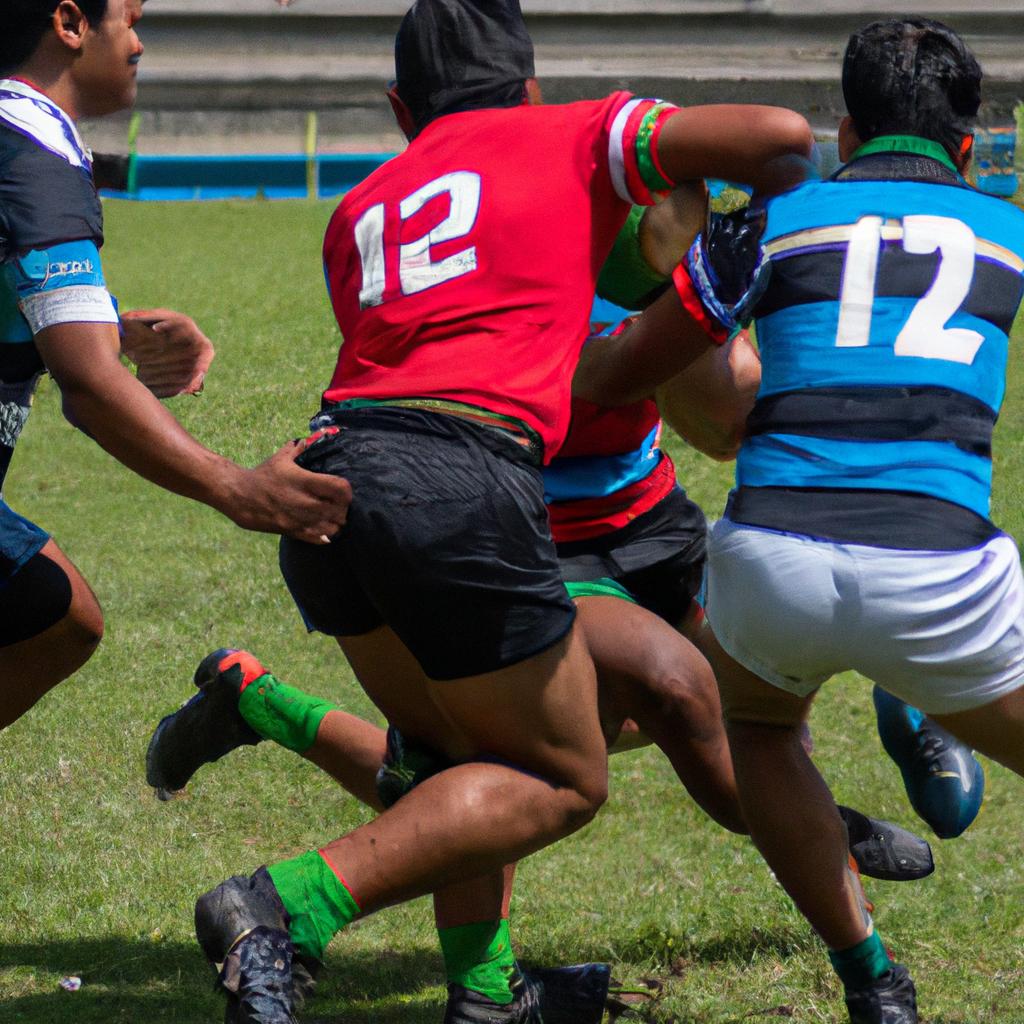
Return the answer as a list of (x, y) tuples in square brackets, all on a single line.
[(925, 333)]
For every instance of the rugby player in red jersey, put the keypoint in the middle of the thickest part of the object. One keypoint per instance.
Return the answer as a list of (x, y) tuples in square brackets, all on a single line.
[(461, 275), (632, 545)]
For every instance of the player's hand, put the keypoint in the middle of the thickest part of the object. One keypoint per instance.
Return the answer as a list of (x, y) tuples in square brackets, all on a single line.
[(171, 352), (732, 246), (280, 497)]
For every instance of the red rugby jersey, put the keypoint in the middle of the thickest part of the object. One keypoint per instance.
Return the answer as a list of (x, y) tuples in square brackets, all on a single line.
[(599, 434), (464, 269)]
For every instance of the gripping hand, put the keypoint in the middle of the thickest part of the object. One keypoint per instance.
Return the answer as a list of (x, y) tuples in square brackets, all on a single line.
[(727, 270)]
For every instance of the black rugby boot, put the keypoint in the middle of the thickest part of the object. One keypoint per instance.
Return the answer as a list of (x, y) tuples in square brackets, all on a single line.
[(890, 999), (206, 727), (886, 851), (571, 995), (242, 927), (468, 1007)]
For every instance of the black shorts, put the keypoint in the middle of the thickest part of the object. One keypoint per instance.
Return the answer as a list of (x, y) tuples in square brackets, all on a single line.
[(447, 542), (658, 558)]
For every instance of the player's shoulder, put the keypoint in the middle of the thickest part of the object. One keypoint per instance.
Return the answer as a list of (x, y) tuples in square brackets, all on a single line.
[(44, 200)]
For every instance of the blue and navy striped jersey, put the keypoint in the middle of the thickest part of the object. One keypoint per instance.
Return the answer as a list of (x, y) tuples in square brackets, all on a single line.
[(883, 334)]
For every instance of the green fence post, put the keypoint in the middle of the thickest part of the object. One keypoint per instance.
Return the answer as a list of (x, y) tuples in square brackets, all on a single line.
[(133, 155), (312, 166)]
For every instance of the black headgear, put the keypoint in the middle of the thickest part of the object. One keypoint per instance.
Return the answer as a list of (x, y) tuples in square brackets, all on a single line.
[(453, 55)]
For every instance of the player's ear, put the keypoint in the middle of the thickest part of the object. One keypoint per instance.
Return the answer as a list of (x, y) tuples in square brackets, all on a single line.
[(849, 140), (531, 93), (402, 113), (966, 154), (70, 24)]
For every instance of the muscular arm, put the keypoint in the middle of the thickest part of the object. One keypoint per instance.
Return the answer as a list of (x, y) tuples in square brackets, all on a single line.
[(125, 418), (627, 367), (708, 404), (766, 147)]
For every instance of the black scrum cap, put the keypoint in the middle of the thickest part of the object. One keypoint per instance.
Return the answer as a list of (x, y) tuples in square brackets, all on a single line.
[(453, 55)]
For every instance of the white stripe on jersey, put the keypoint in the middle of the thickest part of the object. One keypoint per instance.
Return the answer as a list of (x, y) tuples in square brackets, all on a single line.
[(616, 154)]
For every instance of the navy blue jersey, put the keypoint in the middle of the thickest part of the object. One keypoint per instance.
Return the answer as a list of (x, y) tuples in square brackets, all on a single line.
[(51, 229), (883, 335)]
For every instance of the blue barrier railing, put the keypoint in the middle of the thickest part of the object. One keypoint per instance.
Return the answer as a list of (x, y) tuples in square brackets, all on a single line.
[(284, 176)]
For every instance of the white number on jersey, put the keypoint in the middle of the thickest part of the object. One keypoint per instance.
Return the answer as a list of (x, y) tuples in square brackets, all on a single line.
[(925, 333), (416, 270)]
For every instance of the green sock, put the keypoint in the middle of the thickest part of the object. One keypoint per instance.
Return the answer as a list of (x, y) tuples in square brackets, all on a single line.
[(282, 713), (318, 902), (479, 957), (861, 964)]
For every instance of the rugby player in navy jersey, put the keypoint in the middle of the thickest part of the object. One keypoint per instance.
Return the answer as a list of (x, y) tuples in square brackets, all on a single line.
[(858, 536), (61, 61)]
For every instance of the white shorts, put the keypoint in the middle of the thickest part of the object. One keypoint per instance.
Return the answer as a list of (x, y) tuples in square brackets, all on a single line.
[(942, 630)]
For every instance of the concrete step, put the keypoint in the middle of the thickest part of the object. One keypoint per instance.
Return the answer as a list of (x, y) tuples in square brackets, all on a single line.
[(234, 76)]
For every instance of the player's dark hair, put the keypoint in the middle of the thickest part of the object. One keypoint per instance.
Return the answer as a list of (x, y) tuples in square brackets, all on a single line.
[(911, 76), (23, 24), (454, 55)]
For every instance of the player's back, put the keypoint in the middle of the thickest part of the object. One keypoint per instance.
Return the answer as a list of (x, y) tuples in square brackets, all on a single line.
[(883, 336), (464, 269)]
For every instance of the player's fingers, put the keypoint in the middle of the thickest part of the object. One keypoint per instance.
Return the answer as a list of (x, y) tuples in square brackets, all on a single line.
[(300, 444)]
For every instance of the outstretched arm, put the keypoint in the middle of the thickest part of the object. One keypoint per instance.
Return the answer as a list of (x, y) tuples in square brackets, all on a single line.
[(127, 420), (769, 148), (623, 368)]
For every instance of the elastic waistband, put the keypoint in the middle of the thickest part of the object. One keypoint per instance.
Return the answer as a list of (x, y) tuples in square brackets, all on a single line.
[(508, 428)]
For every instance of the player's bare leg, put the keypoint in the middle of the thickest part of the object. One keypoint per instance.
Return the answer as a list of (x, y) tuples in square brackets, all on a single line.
[(31, 667), (652, 675), (350, 750), (540, 715), (996, 729), (788, 808)]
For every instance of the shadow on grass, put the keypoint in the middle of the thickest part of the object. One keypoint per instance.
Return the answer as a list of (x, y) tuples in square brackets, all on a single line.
[(134, 981)]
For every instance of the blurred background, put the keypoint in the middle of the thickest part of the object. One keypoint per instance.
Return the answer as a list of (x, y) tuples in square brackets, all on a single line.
[(305, 78)]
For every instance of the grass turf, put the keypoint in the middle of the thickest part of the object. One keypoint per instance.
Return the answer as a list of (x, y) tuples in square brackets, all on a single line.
[(100, 878)]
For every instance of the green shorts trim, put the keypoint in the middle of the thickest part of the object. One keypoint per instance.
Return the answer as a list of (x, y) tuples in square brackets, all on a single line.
[(604, 587)]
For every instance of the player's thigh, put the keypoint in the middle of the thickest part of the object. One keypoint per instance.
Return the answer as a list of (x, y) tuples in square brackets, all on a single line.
[(748, 698), (50, 620), (996, 729), (642, 663), (39, 586), (540, 714), (398, 686)]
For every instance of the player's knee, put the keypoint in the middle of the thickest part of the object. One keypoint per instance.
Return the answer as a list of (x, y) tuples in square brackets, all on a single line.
[(41, 598), (585, 798), (85, 624), (688, 693)]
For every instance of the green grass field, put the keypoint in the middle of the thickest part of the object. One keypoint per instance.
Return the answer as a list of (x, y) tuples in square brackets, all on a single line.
[(99, 878)]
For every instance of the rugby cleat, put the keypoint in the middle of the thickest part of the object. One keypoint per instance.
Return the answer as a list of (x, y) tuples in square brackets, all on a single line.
[(886, 851), (571, 995), (468, 1007), (543, 995), (242, 927), (944, 781), (890, 999), (206, 727)]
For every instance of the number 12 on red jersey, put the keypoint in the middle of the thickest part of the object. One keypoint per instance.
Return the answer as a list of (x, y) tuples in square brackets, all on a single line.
[(416, 270)]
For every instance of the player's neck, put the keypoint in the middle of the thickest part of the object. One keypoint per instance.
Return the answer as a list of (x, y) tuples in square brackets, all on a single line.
[(57, 86)]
